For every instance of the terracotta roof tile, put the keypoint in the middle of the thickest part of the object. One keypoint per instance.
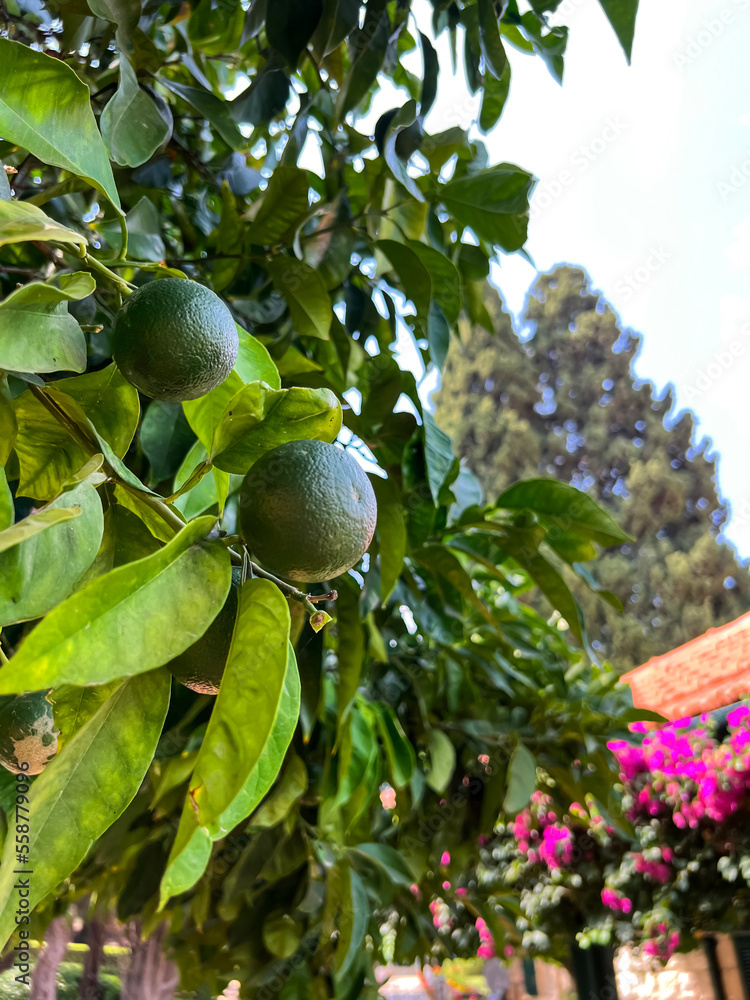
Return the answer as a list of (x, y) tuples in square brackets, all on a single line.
[(700, 676)]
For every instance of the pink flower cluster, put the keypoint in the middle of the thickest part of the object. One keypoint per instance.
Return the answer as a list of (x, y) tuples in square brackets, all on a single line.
[(541, 836), (686, 773), (616, 901), (662, 943), (487, 947)]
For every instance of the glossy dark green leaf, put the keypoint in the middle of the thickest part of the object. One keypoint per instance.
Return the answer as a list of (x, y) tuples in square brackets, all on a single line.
[(124, 13), (391, 530), (404, 120), (264, 99), (413, 275), (62, 132), (521, 780), (215, 110), (551, 584), (566, 507), (85, 788), (281, 207), (31, 525), (493, 202), (22, 222), (258, 418), (131, 123), (438, 335), (438, 453), (442, 562), (130, 620), (165, 439), (37, 333), (495, 59), (290, 25), (494, 96), (306, 295), (621, 15), (144, 232), (430, 70), (369, 48), (445, 279), (387, 858), (41, 570)]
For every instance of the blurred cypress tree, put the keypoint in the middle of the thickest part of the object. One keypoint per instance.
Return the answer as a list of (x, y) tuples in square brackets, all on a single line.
[(566, 403)]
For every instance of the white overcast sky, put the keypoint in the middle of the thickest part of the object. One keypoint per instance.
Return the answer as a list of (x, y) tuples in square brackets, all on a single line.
[(644, 180)]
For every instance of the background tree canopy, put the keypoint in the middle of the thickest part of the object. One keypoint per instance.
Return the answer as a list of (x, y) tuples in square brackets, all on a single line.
[(166, 140), (566, 403)]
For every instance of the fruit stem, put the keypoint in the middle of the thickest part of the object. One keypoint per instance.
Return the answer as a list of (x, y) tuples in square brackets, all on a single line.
[(165, 512), (286, 588), (97, 265), (3, 658), (124, 237)]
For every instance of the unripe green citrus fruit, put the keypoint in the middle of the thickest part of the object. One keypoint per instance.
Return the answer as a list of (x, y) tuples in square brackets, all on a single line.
[(201, 666), (174, 339), (307, 511), (27, 733)]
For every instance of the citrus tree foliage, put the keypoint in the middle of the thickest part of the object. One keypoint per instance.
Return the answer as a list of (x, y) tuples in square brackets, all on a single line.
[(225, 145)]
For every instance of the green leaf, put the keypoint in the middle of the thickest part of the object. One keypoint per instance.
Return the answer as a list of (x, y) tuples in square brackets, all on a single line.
[(192, 846), (22, 222), (491, 45), (431, 68), (215, 110), (41, 570), (124, 13), (85, 788), (7, 509), (8, 424), (207, 490), (413, 274), (494, 202), (305, 293), (445, 279), (281, 935), (621, 15), (442, 562), (204, 414), (521, 779), (30, 525), (131, 123), (494, 95), (442, 761), (368, 52), (264, 99), (352, 925), (37, 334), (290, 25), (551, 584), (280, 802), (144, 232), (350, 649), (165, 437), (251, 687), (438, 454), (74, 706), (258, 418), (566, 507), (391, 530), (404, 117), (389, 859), (129, 620), (398, 749), (254, 363), (61, 132), (281, 207), (47, 453)]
